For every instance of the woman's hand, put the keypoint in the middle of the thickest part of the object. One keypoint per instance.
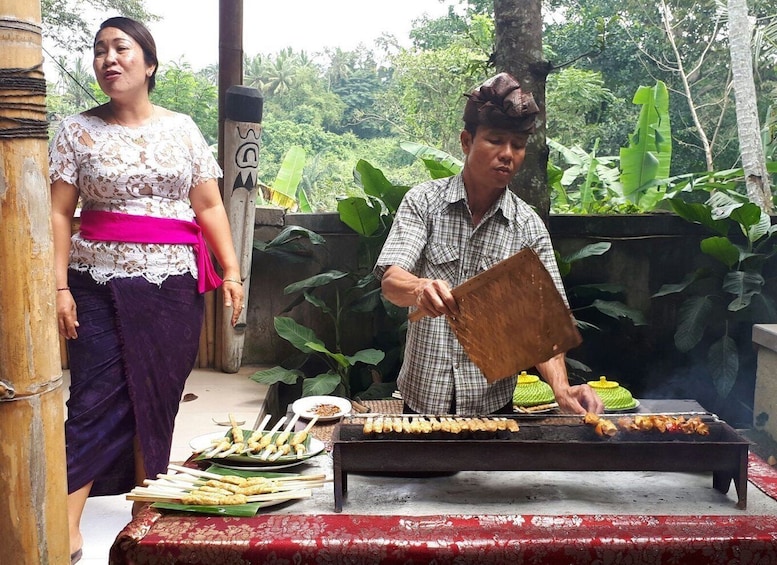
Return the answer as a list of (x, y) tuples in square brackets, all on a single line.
[(67, 320), (233, 297)]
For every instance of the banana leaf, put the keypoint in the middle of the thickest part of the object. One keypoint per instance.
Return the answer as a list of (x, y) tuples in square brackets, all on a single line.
[(648, 155), (375, 184), (357, 213), (284, 189), (237, 510), (439, 163)]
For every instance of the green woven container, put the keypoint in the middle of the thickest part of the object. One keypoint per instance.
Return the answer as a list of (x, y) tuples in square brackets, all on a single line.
[(531, 391), (614, 396)]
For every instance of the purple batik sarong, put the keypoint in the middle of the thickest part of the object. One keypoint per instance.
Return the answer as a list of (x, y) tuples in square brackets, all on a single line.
[(137, 343)]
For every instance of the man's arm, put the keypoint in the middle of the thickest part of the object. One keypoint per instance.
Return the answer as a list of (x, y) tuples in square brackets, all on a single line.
[(432, 297), (577, 399)]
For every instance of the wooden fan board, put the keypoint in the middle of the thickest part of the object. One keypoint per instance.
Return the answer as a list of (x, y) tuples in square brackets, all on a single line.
[(512, 317)]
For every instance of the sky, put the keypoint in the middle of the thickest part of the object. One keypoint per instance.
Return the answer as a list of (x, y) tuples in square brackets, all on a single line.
[(189, 29)]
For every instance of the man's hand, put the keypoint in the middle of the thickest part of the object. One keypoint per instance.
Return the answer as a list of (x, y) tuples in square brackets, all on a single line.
[(432, 297), (579, 399)]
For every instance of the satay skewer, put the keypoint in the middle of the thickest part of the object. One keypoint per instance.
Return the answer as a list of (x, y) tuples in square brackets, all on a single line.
[(196, 474), (267, 438), (302, 435), (257, 435), (286, 434), (238, 444), (215, 500)]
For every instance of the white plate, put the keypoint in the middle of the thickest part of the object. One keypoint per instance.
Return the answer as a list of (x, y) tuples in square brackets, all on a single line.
[(636, 405), (305, 407), (242, 463)]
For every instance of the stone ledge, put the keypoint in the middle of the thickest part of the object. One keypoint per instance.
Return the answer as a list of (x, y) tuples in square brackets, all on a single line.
[(765, 335)]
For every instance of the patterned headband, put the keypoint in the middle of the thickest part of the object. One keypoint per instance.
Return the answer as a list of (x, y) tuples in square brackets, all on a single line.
[(500, 102)]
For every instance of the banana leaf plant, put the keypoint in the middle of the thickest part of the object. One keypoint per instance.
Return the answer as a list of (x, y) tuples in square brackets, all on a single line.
[(645, 161), (722, 300), (285, 190), (637, 180), (337, 378), (597, 192)]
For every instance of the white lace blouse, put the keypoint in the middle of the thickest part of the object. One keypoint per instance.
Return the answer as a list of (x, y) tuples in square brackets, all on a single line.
[(147, 170)]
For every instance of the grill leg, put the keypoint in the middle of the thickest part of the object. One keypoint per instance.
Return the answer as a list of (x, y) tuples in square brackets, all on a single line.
[(721, 481), (339, 478)]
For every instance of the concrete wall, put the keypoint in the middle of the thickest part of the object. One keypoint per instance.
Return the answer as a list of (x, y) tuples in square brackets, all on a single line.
[(765, 397)]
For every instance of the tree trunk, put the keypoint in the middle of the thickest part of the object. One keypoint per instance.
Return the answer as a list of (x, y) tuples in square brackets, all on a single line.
[(33, 515), (748, 125), (519, 52)]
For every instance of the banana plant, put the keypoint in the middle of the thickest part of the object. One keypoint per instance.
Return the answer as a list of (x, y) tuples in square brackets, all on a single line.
[(645, 161), (285, 190), (599, 174), (634, 181), (336, 380)]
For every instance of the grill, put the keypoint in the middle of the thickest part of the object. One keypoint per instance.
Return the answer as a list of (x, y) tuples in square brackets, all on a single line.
[(543, 443)]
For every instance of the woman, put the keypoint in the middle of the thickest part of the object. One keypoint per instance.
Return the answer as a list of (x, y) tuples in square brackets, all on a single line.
[(130, 284)]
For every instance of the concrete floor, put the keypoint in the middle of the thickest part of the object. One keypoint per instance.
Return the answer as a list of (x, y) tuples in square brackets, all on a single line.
[(647, 493), (217, 395)]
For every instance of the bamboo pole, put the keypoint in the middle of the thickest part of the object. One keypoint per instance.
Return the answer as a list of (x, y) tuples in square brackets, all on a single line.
[(242, 133), (33, 516)]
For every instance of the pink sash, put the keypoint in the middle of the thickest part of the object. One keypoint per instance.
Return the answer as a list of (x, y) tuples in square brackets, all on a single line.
[(100, 225)]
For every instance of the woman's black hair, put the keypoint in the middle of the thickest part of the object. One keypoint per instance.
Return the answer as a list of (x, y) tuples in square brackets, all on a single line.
[(142, 36)]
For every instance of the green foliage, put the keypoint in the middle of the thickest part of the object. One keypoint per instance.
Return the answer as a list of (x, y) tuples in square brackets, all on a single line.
[(646, 159), (590, 184), (577, 99), (288, 244), (599, 297), (285, 191), (180, 90), (335, 381), (423, 99), (65, 23), (722, 300), (596, 184)]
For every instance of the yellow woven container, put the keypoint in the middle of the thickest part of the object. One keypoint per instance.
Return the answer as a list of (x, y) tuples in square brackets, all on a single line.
[(613, 395), (530, 390)]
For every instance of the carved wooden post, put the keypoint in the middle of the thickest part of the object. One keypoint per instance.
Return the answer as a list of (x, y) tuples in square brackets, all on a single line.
[(33, 515), (242, 133)]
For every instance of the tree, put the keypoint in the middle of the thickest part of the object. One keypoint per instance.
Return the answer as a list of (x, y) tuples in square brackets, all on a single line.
[(73, 92), (577, 99), (518, 50), (638, 50), (180, 90), (753, 159), (64, 23)]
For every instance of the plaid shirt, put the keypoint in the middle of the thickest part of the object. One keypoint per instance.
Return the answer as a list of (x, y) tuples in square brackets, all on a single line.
[(433, 237)]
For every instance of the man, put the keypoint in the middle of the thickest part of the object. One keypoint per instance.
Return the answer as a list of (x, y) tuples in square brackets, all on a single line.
[(449, 230)]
